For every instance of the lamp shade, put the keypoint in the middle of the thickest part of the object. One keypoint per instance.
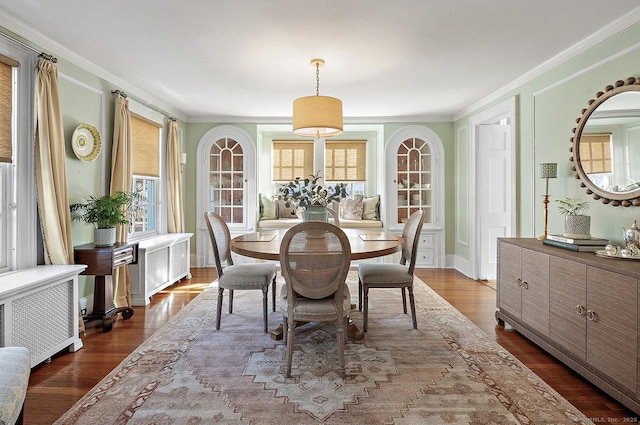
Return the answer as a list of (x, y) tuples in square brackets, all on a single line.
[(548, 170), (317, 116)]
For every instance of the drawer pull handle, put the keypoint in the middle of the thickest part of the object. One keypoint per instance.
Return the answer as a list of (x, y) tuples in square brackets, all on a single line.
[(581, 310), (592, 315), (525, 284), (518, 281)]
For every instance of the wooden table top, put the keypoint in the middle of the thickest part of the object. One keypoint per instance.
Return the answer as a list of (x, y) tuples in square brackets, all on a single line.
[(265, 245)]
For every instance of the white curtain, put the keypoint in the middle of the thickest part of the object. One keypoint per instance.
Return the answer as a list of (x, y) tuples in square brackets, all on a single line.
[(121, 176), (174, 186)]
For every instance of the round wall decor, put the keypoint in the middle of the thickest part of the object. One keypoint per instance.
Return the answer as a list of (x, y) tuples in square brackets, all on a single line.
[(86, 142)]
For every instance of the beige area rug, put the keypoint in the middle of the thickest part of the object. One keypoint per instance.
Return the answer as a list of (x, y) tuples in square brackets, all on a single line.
[(445, 372)]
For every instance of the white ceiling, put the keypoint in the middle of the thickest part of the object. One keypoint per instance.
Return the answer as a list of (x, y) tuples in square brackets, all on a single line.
[(214, 60)]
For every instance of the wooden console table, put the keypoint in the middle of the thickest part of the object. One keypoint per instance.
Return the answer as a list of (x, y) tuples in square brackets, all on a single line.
[(101, 261)]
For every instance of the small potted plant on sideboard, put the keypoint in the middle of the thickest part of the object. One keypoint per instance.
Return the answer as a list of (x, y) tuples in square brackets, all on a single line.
[(104, 213), (576, 225)]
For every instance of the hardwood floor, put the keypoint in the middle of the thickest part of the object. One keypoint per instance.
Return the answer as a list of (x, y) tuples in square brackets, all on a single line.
[(55, 386)]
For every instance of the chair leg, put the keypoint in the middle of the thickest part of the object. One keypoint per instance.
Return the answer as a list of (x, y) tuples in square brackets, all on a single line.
[(365, 313), (404, 301), (359, 294), (340, 337), (219, 308), (273, 294), (290, 342), (284, 330), (413, 307), (265, 307)]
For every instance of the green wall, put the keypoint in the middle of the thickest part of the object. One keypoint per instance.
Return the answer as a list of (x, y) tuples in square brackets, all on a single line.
[(547, 109)]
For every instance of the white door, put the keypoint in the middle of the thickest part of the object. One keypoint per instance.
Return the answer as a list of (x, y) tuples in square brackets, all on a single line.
[(495, 181)]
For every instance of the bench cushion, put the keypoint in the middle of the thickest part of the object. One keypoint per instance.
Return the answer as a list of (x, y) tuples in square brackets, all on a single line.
[(287, 223)]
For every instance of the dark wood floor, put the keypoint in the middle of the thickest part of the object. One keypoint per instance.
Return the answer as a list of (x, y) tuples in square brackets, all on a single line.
[(57, 385)]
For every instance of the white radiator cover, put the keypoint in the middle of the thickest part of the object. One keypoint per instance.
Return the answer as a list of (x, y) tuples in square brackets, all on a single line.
[(162, 261), (39, 310)]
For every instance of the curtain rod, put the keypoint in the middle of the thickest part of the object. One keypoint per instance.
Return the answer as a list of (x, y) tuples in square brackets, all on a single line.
[(33, 49), (158, 110)]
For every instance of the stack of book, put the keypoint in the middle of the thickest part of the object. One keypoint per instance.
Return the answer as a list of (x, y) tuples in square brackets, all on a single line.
[(580, 245)]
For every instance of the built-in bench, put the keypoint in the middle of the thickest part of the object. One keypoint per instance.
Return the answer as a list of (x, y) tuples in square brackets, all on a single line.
[(357, 213)]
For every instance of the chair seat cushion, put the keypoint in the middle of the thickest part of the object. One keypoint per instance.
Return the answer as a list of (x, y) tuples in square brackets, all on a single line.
[(14, 380), (312, 310), (384, 275), (247, 276)]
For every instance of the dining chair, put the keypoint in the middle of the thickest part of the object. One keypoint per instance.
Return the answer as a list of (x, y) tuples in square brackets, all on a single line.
[(315, 257), (237, 276), (333, 216), (387, 275)]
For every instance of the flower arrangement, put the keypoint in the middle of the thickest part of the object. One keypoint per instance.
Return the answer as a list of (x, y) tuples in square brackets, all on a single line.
[(306, 192)]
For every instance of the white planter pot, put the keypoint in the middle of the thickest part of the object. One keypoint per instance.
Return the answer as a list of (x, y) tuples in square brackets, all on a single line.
[(577, 226), (104, 237)]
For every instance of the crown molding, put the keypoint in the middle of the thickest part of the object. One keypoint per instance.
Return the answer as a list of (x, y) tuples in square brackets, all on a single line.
[(40, 42), (225, 119), (594, 39)]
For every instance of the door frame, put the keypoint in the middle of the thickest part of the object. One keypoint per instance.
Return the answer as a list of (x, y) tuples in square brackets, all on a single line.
[(504, 110)]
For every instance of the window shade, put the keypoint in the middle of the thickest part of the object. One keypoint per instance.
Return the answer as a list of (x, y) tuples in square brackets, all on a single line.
[(595, 153), (6, 107), (292, 159), (345, 161), (146, 147)]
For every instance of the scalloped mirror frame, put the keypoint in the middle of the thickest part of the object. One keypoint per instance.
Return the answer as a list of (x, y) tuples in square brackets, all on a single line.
[(625, 199)]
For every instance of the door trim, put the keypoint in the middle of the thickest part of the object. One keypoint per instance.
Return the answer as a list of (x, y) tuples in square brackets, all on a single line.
[(504, 110)]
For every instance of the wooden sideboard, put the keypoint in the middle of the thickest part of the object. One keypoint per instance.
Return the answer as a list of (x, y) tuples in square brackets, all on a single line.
[(581, 308)]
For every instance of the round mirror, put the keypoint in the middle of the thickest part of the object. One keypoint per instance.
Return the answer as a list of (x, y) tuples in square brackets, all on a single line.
[(606, 145)]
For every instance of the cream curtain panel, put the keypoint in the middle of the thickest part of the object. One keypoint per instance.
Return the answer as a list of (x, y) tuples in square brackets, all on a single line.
[(51, 170), (51, 174), (174, 186), (121, 173)]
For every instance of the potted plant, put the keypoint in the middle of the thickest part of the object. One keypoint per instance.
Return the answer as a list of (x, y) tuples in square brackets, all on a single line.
[(104, 213), (576, 225), (308, 194)]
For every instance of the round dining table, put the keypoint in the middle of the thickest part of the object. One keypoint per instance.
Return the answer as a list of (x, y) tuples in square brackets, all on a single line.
[(365, 243)]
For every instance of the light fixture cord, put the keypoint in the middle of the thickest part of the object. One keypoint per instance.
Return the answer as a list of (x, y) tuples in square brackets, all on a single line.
[(317, 79)]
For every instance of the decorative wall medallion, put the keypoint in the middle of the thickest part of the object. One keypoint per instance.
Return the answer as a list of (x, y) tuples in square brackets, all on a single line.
[(86, 142)]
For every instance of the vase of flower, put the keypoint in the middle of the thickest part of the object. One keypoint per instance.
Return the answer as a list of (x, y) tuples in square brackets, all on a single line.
[(315, 213)]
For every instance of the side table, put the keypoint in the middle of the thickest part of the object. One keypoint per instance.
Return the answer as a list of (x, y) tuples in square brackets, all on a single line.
[(101, 261)]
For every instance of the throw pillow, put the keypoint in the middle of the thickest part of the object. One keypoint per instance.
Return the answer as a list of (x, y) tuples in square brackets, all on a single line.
[(284, 212), (268, 208), (352, 208), (370, 208)]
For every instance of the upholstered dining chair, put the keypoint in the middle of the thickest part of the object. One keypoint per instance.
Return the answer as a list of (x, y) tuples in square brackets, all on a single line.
[(237, 276), (315, 258), (333, 216), (387, 275)]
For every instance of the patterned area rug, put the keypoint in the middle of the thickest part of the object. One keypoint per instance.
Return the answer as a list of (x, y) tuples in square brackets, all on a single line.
[(445, 372)]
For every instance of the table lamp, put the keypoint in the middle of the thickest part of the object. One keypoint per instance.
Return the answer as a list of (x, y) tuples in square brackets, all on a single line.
[(548, 170)]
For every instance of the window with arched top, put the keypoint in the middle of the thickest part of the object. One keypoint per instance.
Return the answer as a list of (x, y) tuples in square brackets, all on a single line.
[(225, 184)]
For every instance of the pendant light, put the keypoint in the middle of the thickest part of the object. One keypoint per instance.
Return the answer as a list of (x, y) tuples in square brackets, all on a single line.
[(317, 116)]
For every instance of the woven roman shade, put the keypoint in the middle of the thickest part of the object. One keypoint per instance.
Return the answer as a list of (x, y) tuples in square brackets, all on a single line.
[(345, 161), (6, 106), (146, 148), (595, 153), (292, 159)]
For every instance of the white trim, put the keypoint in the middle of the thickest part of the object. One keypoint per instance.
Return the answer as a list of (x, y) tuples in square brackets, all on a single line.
[(505, 109), (594, 39)]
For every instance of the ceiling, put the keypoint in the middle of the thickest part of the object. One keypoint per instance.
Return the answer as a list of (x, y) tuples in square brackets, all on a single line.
[(247, 60)]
